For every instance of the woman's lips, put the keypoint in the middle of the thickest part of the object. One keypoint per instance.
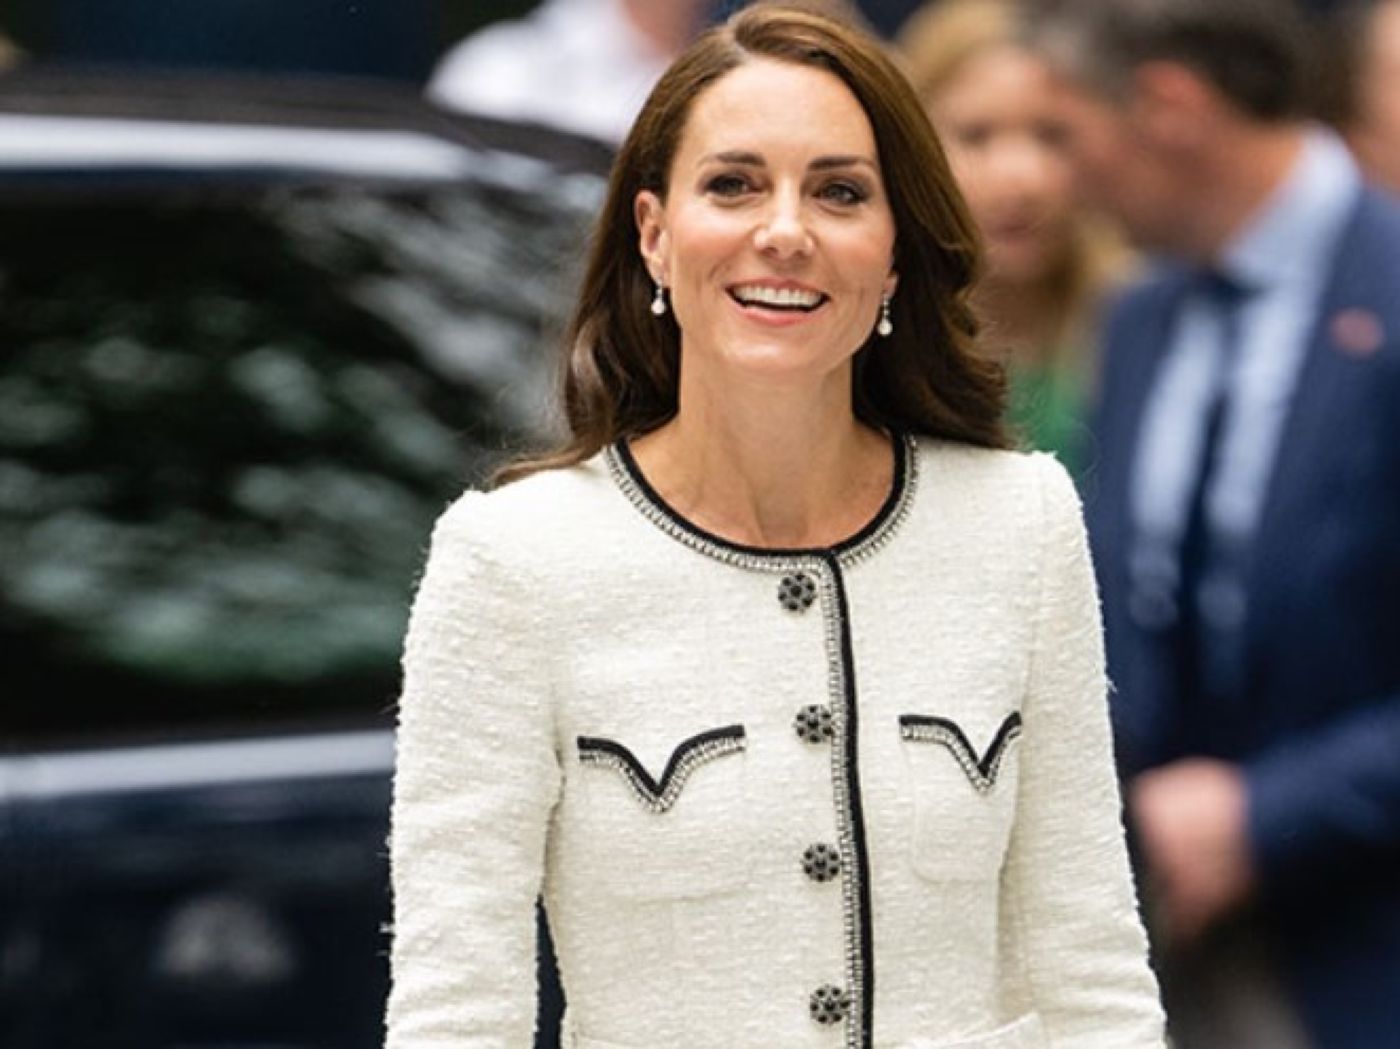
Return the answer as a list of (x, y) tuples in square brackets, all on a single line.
[(1013, 229), (774, 315)]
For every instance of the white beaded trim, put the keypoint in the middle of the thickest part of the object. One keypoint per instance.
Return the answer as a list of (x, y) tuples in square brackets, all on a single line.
[(845, 820), (756, 560), (823, 569), (983, 773), (672, 783)]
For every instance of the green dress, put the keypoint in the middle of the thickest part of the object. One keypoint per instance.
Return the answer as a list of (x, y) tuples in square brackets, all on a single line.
[(1048, 407)]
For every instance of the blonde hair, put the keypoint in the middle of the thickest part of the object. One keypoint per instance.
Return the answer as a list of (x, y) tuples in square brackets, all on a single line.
[(942, 37), (936, 44)]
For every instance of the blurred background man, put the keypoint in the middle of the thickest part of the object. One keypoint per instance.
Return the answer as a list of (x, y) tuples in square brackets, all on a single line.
[(586, 66), (583, 66), (1244, 505)]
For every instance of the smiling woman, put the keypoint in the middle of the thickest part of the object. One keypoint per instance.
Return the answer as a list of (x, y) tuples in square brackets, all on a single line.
[(781, 680), (779, 258), (624, 373)]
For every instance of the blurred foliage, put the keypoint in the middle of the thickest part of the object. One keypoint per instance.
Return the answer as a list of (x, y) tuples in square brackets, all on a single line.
[(227, 424)]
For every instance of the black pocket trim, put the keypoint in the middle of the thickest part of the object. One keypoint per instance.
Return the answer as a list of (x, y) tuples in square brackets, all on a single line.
[(922, 728), (685, 759)]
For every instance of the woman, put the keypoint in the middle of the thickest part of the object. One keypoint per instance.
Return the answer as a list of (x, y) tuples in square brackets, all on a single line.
[(782, 681), (1047, 266)]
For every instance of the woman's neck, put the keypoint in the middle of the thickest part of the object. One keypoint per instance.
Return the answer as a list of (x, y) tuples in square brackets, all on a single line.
[(769, 468)]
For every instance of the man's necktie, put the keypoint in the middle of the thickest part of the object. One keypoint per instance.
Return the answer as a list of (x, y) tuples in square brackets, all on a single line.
[(1205, 661)]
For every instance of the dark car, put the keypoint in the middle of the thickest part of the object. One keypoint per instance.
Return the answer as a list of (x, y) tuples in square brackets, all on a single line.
[(253, 338)]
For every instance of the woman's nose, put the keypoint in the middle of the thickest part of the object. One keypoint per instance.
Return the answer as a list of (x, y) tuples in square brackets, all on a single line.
[(1020, 165), (782, 231)]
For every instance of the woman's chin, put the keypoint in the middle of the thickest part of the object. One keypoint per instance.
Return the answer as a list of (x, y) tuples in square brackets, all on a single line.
[(779, 360), (1023, 261), (1020, 267)]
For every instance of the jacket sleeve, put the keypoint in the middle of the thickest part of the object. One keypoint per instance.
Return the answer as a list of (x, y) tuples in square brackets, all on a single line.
[(1327, 803), (1071, 912), (475, 781), (1324, 801)]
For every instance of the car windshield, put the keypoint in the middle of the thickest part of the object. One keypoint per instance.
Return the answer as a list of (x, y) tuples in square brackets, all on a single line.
[(230, 412)]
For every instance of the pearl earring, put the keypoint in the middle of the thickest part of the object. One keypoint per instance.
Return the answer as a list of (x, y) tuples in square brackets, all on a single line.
[(658, 302), (885, 326)]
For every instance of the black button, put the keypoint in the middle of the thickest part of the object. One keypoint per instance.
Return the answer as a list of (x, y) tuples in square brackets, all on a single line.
[(829, 1005), (821, 862), (797, 592), (813, 724)]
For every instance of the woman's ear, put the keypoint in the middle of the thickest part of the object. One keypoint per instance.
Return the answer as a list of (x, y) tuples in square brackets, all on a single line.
[(653, 240), (891, 283)]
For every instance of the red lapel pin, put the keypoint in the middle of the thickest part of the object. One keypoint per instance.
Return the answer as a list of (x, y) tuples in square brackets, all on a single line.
[(1357, 332)]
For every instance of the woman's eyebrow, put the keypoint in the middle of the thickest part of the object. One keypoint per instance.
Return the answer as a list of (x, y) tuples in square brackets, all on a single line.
[(827, 163), (756, 160), (735, 157)]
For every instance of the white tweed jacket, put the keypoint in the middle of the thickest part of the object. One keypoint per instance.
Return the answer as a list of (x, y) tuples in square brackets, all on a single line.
[(856, 797)]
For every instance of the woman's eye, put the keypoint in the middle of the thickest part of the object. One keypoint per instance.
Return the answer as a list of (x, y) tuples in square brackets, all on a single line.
[(844, 193), (1052, 135), (727, 185), (972, 136)]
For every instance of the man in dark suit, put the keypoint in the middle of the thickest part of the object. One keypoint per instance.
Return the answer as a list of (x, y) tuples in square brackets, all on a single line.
[(1244, 508)]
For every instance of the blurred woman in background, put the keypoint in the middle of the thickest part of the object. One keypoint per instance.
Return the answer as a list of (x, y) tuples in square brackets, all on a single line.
[(1047, 266)]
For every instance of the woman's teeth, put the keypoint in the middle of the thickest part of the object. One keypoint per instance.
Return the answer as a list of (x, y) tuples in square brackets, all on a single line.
[(781, 298)]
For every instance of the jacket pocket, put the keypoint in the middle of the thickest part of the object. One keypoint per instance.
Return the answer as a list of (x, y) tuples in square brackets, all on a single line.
[(680, 831), (660, 796), (964, 800)]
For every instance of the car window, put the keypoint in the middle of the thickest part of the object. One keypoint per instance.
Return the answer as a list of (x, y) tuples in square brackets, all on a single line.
[(230, 412)]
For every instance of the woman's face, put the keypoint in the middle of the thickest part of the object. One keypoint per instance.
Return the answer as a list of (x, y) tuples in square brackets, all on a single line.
[(1006, 146), (775, 240)]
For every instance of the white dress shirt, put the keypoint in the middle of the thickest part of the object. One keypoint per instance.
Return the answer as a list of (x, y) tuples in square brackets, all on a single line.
[(578, 65), (1282, 256)]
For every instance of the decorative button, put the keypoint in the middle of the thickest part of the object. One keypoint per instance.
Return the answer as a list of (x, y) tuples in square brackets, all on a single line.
[(813, 724), (821, 862), (829, 1005), (797, 592)]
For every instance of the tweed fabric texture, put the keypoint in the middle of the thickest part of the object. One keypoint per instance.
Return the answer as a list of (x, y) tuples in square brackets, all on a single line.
[(1000, 906)]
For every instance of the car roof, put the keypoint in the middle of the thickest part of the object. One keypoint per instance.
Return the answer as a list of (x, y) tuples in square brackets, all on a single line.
[(55, 124)]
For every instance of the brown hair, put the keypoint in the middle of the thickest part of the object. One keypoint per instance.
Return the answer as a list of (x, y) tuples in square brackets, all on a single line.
[(1345, 32), (944, 35), (1255, 52), (623, 366)]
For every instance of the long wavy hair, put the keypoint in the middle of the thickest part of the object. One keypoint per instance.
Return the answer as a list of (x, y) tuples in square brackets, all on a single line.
[(622, 369)]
